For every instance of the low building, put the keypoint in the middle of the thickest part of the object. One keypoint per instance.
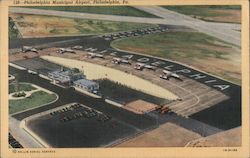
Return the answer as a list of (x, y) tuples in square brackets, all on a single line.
[(87, 85), (65, 77), (74, 78)]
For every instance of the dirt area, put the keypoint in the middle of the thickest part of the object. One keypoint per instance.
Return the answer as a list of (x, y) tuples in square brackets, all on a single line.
[(226, 14), (167, 135), (44, 26), (230, 16), (230, 71), (230, 138), (140, 106), (28, 55)]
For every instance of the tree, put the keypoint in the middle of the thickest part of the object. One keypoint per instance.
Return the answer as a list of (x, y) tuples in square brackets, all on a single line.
[(75, 70)]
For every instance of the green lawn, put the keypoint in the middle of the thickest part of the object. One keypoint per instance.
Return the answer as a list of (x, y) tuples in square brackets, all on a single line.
[(39, 25), (13, 31), (109, 10), (99, 26), (22, 87), (210, 13), (192, 48), (200, 10), (173, 45), (36, 99), (123, 94)]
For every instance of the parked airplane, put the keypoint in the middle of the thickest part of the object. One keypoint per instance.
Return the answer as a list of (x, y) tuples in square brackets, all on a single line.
[(141, 66), (94, 55), (77, 47), (168, 74), (91, 49), (29, 49), (120, 60), (65, 50)]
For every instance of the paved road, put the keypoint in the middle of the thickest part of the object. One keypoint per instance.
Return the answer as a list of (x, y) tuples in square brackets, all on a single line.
[(190, 124), (69, 95), (222, 31), (141, 122), (26, 139)]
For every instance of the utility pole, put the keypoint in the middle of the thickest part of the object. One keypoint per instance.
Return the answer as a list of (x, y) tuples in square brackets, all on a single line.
[(17, 88)]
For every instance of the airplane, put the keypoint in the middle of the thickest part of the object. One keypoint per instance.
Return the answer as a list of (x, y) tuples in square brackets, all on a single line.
[(150, 67), (64, 50), (168, 74), (141, 66), (77, 47), (90, 49), (93, 55), (120, 60), (29, 49)]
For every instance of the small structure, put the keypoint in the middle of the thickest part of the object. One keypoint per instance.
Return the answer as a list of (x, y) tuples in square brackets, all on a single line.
[(11, 78), (65, 77), (74, 78), (87, 85), (140, 106)]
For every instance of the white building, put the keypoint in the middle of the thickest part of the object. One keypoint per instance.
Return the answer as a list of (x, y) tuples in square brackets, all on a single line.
[(67, 76), (87, 85), (74, 78)]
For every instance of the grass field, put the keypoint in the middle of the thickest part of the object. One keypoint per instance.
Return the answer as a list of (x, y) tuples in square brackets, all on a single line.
[(109, 10), (192, 48), (36, 99), (230, 14), (124, 94), (38, 25), (13, 31), (22, 87), (167, 135)]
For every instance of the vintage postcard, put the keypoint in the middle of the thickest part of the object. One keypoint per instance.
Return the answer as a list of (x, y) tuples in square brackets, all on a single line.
[(124, 78)]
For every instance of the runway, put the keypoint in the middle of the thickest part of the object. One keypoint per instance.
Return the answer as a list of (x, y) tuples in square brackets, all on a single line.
[(221, 31)]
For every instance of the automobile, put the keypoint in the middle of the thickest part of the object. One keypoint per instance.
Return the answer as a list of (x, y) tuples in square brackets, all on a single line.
[(179, 99), (60, 111), (12, 140), (14, 143), (107, 39), (17, 146), (52, 113)]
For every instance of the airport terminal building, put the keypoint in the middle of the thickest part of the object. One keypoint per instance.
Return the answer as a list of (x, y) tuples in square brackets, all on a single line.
[(72, 78)]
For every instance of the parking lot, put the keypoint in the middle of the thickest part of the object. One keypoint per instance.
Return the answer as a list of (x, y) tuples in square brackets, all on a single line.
[(13, 142), (76, 125), (38, 65)]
